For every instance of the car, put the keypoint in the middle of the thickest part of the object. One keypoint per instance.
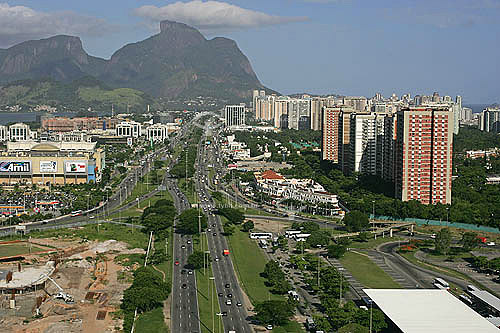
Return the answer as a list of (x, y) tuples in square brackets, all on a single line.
[(269, 327), (224, 313), (209, 229), (238, 304), (216, 258), (230, 295), (214, 234), (190, 272), (184, 286), (213, 225), (433, 236), (183, 271), (220, 294), (176, 263), (189, 241), (491, 244), (228, 302), (227, 285), (183, 246)]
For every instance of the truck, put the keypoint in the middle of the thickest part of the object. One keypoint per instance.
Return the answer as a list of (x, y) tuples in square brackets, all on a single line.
[(293, 294), (225, 252)]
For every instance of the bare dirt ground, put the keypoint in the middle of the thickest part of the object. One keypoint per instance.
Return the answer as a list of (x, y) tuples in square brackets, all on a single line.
[(90, 274), (264, 225)]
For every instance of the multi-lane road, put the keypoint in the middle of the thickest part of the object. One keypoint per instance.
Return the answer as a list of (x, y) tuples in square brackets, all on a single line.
[(184, 305), (230, 296)]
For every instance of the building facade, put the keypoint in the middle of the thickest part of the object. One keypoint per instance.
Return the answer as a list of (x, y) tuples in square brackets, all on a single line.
[(330, 139), (423, 155), (234, 115)]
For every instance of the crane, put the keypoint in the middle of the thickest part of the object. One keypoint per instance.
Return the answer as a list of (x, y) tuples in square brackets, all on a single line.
[(61, 294)]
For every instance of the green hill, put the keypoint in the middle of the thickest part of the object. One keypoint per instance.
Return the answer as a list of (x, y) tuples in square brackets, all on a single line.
[(77, 95)]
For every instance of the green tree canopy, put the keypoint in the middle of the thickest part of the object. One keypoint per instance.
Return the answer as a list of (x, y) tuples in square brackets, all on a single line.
[(356, 221), (274, 312), (188, 222), (442, 241)]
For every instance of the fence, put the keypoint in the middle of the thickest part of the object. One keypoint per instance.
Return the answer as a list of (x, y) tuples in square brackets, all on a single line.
[(465, 226)]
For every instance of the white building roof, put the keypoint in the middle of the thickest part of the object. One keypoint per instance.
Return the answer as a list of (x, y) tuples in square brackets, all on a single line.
[(428, 311), (488, 298)]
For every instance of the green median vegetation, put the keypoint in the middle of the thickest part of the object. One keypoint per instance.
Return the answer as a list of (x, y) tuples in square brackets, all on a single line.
[(367, 272)]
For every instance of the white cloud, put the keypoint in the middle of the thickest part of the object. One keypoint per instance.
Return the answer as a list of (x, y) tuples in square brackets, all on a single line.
[(212, 15), (20, 23)]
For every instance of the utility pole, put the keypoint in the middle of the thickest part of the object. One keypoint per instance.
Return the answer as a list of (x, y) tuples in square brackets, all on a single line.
[(319, 263), (371, 315)]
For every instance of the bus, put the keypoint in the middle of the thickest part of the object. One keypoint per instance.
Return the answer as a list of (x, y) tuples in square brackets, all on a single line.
[(261, 235), (290, 233), (76, 213), (440, 282)]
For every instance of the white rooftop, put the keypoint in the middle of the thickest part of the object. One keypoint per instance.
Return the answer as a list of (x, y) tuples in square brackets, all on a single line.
[(488, 298), (428, 311)]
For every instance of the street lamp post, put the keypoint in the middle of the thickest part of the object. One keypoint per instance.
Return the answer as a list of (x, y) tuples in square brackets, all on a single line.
[(212, 301)]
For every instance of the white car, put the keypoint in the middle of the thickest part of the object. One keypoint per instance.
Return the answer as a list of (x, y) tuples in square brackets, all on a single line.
[(228, 302), (269, 327), (491, 244)]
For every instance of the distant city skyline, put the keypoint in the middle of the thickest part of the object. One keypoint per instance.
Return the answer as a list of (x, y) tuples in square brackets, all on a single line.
[(347, 47)]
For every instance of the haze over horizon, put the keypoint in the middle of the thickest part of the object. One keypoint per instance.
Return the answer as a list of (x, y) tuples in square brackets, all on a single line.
[(349, 47)]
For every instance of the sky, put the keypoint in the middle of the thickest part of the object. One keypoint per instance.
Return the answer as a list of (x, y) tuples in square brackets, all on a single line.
[(347, 47)]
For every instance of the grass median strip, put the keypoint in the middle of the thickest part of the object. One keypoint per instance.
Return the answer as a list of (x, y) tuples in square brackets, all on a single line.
[(367, 272), (249, 262)]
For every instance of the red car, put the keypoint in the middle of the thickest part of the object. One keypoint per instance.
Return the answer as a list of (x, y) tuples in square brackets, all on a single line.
[(176, 263)]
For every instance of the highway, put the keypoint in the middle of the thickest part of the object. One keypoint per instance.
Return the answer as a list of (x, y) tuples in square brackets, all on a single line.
[(234, 315), (184, 306)]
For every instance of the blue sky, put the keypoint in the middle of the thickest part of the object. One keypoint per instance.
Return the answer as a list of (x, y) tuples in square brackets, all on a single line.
[(351, 47)]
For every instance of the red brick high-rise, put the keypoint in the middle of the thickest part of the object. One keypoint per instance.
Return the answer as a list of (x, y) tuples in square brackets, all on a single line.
[(330, 122), (423, 155)]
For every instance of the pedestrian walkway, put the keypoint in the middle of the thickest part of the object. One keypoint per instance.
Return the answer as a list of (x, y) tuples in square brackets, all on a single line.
[(354, 285), (379, 259)]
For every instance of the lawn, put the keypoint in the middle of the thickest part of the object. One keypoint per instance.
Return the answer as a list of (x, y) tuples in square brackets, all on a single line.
[(14, 249), (291, 327), (367, 272), (189, 192), (249, 261), (134, 238), (151, 322), (136, 212), (372, 243)]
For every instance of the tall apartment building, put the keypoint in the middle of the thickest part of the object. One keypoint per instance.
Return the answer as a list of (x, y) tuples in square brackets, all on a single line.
[(489, 120), (366, 147), (331, 121), (280, 110), (423, 155), (234, 115), (344, 137), (299, 116)]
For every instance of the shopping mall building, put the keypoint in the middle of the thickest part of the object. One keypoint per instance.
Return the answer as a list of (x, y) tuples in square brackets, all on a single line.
[(56, 163)]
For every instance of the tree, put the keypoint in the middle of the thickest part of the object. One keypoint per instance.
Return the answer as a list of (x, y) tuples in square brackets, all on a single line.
[(196, 260), (318, 238), (158, 257), (274, 312), (188, 222), (322, 324), (356, 221), (442, 242), (336, 251), (228, 229), (234, 216), (353, 328), (363, 236), (469, 241), (247, 226)]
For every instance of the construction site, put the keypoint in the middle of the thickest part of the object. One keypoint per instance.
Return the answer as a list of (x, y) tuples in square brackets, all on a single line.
[(63, 285)]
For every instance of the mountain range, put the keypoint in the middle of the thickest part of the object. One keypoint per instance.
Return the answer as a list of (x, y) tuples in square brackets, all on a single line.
[(177, 63)]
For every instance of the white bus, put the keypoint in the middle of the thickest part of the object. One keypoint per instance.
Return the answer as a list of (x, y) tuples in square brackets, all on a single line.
[(261, 235), (290, 233), (441, 282), (76, 213)]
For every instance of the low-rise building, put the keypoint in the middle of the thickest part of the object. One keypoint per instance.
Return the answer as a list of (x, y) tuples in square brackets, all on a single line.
[(306, 190), (56, 163)]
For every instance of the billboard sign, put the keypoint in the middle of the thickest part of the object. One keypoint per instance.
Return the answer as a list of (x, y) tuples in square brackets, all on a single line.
[(15, 167), (48, 166), (75, 167)]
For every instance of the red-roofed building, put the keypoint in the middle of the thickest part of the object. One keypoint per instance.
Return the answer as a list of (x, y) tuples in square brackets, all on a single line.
[(270, 174)]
